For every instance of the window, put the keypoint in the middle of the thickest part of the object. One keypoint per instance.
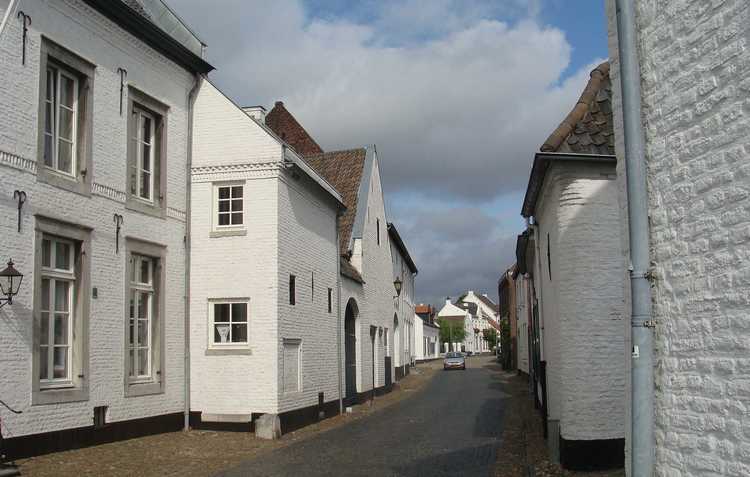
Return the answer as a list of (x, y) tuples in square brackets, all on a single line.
[(56, 312), (330, 300), (141, 318), (61, 304), (229, 323), (65, 118), (146, 132), (291, 356), (60, 120), (312, 286), (377, 228), (292, 290), (144, 323), (229, 207), (142, 166)]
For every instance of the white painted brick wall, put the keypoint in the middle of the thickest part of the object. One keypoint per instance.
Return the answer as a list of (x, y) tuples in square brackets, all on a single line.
[(522, 315), (77, 27), (694, 64), (583, 303)]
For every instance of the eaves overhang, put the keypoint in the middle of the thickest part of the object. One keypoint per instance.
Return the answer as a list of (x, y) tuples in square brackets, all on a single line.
[(140, 27), (542, 161), (393, 233)]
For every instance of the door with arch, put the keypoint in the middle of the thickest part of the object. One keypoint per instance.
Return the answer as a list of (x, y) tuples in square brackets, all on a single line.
[(350, 347)]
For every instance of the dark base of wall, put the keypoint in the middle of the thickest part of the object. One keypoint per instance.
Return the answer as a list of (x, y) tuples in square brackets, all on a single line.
[(197, 423), (400, 372), (39, 444), (299, 418), (592, 455), (363, 397)]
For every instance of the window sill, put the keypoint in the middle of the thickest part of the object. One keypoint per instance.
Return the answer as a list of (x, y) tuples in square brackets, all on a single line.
[(58, 395), (134, 389), (68, 183), (227, 233), (228, 351), (145, 208)]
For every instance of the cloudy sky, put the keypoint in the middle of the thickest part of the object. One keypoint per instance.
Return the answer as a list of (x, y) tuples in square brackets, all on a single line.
[(456, 94)]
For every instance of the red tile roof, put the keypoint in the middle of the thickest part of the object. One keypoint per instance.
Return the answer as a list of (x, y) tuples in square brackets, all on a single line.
[(290, 131)]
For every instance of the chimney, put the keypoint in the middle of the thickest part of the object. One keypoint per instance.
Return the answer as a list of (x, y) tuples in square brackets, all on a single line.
[(257, 112)]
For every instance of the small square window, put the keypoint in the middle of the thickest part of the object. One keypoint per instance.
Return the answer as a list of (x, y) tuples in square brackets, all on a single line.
[(229, 322), (229, 206)]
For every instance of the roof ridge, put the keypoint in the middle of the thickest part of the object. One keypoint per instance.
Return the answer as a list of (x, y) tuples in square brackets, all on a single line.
[(567, 126)]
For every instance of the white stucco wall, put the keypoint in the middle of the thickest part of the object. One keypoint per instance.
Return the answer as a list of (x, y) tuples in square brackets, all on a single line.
[(583, 302), (80, 29), (693, 61), (423, 332)]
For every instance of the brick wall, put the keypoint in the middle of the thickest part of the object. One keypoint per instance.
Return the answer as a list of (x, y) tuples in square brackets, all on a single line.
[(79, 28), (694, 62)]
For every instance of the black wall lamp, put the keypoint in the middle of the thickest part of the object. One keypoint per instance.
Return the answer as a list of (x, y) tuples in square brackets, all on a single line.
[(10, 283), (397, 285)]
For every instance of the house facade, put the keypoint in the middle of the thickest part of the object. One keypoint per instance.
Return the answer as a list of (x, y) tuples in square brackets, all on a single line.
[(508, 310), (377, 340), (426, 333), (453, 314), (693, 62), (484, 316), (264, 281), (404, 270), (571, 200), (96, 108)]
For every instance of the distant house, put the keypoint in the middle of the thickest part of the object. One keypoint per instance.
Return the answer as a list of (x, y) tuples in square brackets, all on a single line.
[(426, 333), (484, 315), (405, 271), (508, 312), (572, 252), (455, 315), (264, 278)]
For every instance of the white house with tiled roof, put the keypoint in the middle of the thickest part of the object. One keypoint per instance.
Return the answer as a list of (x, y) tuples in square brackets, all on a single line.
[(264, 281), (452, 313), (571, 203), (484, 315)]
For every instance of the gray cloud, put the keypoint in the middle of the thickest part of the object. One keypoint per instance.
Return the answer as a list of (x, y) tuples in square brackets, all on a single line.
[(456, 102)]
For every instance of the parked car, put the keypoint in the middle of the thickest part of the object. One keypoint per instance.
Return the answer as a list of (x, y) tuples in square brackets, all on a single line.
[(454, 360)]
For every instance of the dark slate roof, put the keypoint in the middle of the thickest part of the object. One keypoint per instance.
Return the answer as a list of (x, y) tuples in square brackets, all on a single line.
[(487, 301), (470, 307), (588, 128), (343, 170), (281, 122), (396, 237)]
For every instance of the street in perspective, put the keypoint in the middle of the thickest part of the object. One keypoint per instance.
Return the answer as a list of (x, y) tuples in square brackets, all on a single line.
[(505, 238)]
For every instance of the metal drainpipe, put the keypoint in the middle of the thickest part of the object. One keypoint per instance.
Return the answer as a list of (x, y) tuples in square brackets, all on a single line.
[(642, 367), (538, 273), (191, 102), (338, 309)]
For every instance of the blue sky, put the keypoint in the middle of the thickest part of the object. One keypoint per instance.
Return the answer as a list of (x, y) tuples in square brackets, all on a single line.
[(456, 94)]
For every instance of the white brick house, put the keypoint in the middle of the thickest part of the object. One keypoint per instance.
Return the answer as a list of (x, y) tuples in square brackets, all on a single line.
[(484, 316), (693, 60), (96, 334), (264, 321), (404, 345), (426, 339), (451, 312), (577, 271), (375, 331)]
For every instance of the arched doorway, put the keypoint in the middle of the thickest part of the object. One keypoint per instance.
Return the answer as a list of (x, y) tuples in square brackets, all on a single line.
[(350, 347)]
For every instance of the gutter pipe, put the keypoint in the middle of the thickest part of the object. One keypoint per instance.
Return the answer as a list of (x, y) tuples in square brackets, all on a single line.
[(11, 9), (338, 310), (642, 362), (189, 165)]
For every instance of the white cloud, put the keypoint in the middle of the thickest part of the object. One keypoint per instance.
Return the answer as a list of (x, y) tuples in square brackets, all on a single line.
[(456, 102)]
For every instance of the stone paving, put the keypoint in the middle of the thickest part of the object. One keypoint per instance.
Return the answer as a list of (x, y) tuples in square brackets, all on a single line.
[(450, 427)]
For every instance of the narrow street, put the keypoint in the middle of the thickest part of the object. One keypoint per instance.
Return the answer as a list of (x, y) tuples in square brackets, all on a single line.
[(450, 427)]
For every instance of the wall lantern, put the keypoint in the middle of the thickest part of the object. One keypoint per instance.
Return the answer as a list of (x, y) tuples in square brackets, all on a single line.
[(10, 283), (397, 285)]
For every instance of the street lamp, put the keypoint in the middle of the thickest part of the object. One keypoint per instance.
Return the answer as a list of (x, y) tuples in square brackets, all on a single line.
[(10, 282), (397, 285)]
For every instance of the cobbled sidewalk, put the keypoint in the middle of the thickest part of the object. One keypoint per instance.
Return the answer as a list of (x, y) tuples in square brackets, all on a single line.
[(523, 451), (199, 453)]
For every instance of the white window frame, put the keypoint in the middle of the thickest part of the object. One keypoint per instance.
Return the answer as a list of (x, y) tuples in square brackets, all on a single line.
[(141, 114), (55, 275), (136, 289), (211, 324), (56, 106), (231, 199)]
